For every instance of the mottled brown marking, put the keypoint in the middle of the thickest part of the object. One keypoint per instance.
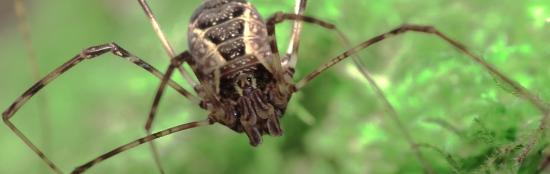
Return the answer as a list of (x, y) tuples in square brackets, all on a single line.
[(34, 88), (232, 49), (215, 12), (227, 31), (237, 47)]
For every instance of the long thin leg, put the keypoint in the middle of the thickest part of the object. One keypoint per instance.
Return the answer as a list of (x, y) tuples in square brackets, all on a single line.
[(140, 141), (390, 108), (167, 47), (25, 29), (275, 63), (167, 75), (518, 89), (170, 51), (429, 30), (291, 57), (88, 53), (393, 114), (279, 17)]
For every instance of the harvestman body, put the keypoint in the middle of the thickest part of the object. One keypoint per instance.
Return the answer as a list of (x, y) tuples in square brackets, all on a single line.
[(228, 41), (243, 81)]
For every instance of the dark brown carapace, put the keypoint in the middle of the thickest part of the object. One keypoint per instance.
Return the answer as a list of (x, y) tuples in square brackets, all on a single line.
[(228, 40)]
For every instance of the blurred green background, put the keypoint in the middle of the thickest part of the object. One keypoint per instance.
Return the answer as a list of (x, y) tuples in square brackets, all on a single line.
[(467, 121)]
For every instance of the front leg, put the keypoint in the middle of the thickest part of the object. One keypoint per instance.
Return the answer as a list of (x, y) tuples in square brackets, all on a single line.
[(89, 53)]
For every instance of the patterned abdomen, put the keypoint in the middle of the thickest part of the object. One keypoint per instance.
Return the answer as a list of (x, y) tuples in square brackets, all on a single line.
[(230, 46), (226, 35)]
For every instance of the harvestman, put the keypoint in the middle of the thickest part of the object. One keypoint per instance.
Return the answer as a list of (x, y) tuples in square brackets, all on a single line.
[(243, 81)]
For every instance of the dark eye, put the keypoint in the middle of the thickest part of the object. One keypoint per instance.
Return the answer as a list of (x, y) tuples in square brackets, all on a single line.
[(248, 79)]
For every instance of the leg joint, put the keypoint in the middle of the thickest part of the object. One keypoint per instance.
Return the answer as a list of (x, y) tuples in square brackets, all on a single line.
[(119, 51), (95, 51), (6, 115)]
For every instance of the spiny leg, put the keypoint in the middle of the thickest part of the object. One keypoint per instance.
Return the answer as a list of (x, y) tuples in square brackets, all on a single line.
[(291, 57), (517, 88), (88, 53), (177, 61), (42, 103), (279, 17), (140, 141)]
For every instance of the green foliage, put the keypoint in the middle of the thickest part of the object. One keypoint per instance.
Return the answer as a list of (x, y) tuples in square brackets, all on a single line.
[(463, 118)]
